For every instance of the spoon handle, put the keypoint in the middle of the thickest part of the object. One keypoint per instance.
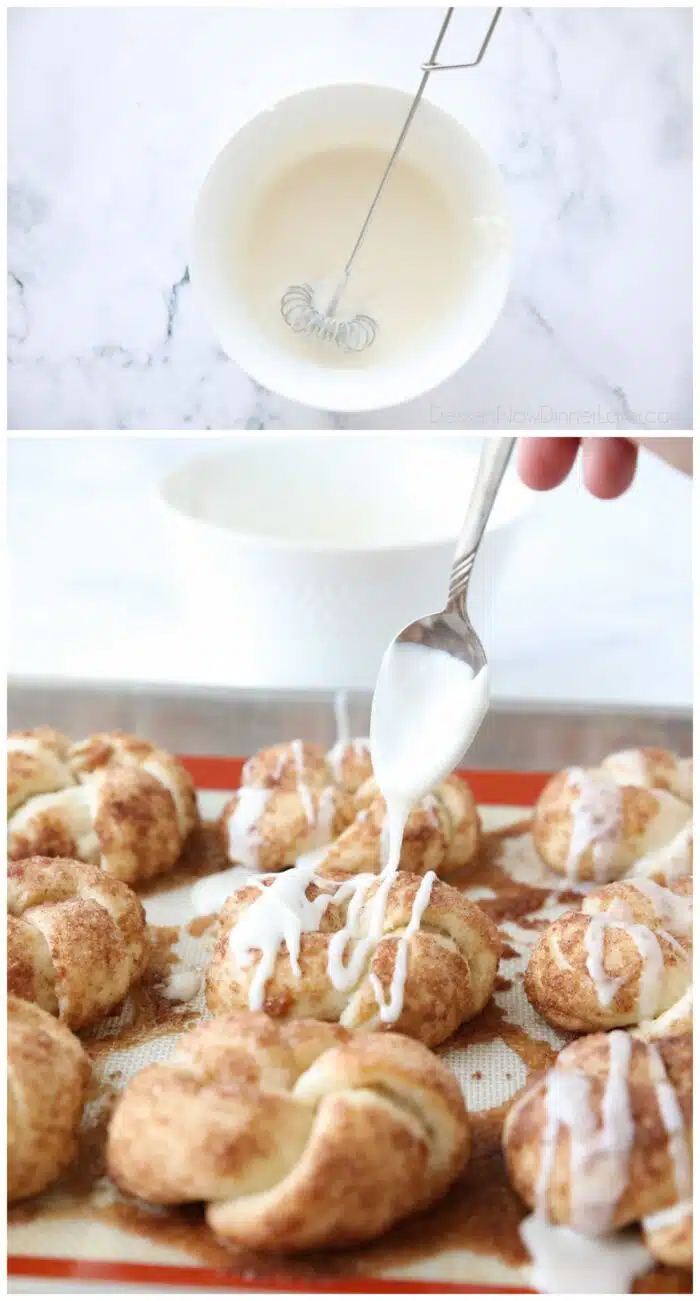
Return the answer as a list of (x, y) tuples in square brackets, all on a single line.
[(494, 458)]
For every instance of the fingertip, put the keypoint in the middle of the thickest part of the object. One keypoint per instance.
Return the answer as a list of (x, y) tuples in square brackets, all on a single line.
[(544, 463), (609, 466)]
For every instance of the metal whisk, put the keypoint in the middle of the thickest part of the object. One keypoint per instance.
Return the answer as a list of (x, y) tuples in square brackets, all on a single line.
[(298, 304)]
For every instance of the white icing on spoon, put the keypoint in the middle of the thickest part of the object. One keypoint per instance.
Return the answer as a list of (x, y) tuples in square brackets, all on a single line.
[(427, 708)]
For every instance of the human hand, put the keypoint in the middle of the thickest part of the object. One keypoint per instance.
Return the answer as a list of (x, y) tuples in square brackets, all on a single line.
[(609, 464)]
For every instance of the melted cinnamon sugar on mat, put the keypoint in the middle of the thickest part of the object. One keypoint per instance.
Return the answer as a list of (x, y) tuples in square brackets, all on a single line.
[(203, 854), (492, 1024), (481, 1213), (146, 1011), (200, 925), (484, 870)]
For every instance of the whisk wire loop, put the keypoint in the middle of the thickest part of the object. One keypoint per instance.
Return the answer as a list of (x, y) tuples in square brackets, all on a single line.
[(303, 317)]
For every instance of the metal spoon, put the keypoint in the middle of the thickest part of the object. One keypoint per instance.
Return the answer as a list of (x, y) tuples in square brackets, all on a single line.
[(450, 629)]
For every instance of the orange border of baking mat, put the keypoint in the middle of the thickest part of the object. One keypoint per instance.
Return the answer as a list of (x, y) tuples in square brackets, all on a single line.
[(214, 773), (103, 1271)]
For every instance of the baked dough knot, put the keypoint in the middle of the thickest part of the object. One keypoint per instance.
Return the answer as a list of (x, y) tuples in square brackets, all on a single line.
[(603, 1138), (442, 833), (631, 815), (351, 763), (294, 799), (289, 803), (37, 764), (112, 800), (367, 953), (48, 1073), (623, 958), (285, 765), (294, 1136), (76, 938)]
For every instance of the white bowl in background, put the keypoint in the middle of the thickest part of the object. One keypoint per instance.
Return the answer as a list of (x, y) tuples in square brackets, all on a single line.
[(331, 117), (303, 555)]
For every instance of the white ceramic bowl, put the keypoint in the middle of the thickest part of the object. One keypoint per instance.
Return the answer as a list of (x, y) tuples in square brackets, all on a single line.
[(329, 117), (301, 556)]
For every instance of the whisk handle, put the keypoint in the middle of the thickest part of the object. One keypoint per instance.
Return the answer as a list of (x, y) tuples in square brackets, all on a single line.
[(430, 66), (397, 149)]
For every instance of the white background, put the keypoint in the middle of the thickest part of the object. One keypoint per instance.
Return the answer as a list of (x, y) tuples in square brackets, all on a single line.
[(115, 114), (594, 604)]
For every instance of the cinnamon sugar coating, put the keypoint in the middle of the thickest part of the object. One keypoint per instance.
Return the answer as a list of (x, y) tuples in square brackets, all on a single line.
[(294, 1136)]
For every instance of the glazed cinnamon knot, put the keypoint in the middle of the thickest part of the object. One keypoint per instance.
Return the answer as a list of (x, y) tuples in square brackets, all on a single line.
[(442, 833), (624, 957), (602, 1139), (294, 799), (47, 1079), (288, 803), (294, 1136), (404, 952), (76, 938), (111, 800), (630, 815)]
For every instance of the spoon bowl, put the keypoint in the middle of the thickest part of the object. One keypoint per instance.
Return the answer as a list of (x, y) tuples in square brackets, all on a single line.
[(428, 707), (449, 631)]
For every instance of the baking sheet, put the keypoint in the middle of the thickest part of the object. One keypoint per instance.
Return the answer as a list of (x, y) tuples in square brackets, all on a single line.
[(82, 1228)]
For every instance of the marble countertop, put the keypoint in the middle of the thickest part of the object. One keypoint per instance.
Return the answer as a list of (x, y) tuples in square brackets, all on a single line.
[(593, 605), (115, 113)]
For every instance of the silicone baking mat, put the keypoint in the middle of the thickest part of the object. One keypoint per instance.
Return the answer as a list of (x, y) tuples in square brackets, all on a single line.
[(83, 1232)]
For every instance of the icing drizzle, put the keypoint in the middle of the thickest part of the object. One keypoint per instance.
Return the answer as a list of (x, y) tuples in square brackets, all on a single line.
[(283, 912), (649, 950), (599, 1167), (244, 838), (671, 861), (599, 1155), (319, 807), (596, 814), (337, 754), (672, 1118), (672, 909)]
